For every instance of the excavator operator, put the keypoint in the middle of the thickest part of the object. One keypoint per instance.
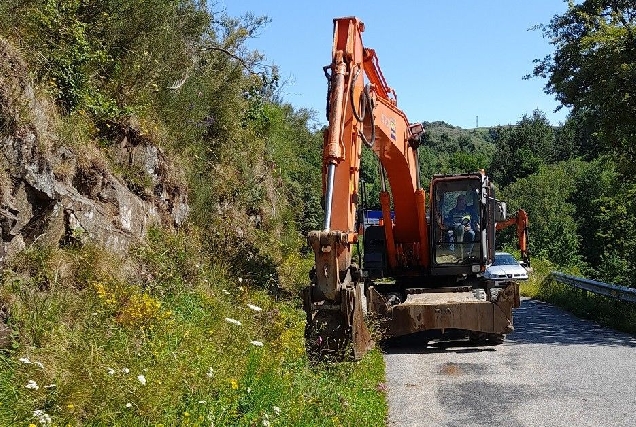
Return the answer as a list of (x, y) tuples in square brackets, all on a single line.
[(462, 222)]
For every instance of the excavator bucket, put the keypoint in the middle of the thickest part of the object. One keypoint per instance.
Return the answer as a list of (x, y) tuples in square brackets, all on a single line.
[(360, 334), (337, 332)]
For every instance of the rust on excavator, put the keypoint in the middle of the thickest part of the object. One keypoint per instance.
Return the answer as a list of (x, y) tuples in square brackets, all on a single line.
[(421, 266)]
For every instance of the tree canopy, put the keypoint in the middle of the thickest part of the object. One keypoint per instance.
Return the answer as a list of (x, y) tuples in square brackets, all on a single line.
[(593, 68), (522, 149)]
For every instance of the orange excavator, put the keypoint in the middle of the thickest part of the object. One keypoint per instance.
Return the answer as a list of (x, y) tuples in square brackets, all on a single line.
[(422, 265)]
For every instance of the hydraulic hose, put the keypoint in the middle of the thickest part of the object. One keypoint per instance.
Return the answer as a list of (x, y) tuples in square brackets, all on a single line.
[(368, 101), (327, 69), (363, 101)]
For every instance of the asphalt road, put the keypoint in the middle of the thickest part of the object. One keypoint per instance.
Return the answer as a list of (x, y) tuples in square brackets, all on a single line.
[(553, 370)]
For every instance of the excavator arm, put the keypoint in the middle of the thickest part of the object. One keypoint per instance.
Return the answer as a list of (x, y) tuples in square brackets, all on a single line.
[(362, 110), (520, 221)]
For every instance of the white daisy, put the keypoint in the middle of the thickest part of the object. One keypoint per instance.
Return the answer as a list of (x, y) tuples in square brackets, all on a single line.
[(32, 385), (43, 417), (233, 321)]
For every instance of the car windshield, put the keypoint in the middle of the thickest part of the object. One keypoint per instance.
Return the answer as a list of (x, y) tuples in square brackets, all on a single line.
[(505, 259)]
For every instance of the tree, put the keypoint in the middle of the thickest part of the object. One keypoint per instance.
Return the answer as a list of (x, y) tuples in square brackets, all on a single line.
[(449, 149), (593, 71), (606, 212), (370, 178), (578, 137), (593, 68), (522, 149), (547, 198)]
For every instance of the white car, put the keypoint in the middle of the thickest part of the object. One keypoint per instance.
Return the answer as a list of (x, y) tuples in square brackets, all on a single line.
[(505, 267)]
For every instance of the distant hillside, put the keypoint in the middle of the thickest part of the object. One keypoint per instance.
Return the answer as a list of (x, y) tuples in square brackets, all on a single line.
[(447, 137), (451, 149)]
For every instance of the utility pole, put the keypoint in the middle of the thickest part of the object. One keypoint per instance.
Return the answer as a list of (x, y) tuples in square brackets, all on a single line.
[(476, 121)]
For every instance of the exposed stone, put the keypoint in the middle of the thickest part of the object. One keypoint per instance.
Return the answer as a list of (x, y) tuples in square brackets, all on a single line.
[(53, 195), (11, 248)]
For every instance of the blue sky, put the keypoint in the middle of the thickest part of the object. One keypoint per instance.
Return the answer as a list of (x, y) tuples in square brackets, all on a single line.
[(447, 60)]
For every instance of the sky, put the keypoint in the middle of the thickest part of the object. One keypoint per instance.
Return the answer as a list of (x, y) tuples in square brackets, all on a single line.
[(459, 61)]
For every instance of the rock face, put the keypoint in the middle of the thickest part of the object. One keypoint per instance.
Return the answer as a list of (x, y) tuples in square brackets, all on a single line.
[(55, 194)]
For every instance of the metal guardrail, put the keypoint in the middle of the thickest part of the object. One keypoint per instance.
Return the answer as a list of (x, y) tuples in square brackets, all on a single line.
[(613, 291)]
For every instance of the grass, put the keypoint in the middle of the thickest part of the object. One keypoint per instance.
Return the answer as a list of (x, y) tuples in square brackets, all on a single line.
[(604, 310), (154, 339)]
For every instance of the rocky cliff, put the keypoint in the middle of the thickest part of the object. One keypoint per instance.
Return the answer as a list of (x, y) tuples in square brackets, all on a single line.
[(57, 192)]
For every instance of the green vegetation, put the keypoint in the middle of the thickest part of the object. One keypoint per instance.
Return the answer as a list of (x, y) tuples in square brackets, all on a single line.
[(604, 310), (153, 337), (184, 344), (582, 205), (449, 149), (591, 71)]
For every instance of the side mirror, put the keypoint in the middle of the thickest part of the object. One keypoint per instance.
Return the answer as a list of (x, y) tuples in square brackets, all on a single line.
[(500, 211)]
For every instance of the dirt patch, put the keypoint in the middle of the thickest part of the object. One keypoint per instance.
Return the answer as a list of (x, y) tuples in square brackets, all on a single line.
[(451, 369)]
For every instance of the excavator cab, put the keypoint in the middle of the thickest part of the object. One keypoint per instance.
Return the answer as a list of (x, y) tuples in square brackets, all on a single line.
[(463, 225)]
